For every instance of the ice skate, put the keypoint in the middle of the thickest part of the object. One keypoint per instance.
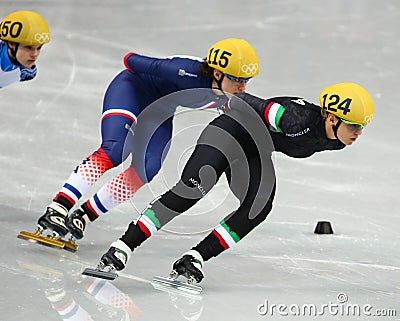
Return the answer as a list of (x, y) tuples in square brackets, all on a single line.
[(76, 223), (114, 260), (188, 266), (54, 220)]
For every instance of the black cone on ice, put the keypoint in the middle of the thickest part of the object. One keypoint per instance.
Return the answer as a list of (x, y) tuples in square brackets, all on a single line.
[(323, 227)]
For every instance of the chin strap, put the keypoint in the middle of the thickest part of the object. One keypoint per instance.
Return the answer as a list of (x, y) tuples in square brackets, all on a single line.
[(13, 56), (335, 129), (219, 82)]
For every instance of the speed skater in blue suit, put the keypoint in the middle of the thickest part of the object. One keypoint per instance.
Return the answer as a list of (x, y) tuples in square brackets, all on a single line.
[(137, 102)]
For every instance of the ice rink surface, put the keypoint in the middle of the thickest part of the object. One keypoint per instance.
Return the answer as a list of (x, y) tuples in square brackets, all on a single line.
[(47, 126)]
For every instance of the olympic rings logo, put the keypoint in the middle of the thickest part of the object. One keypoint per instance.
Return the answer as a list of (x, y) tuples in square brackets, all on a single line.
[(250, 69), (42, 37), (368, 118)]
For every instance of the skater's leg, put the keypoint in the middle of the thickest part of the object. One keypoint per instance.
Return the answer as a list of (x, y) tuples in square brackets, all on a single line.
[(252, 180), (199, 171), (147, 161), (215, 150), (199, 176), (81, 179), (117, 124), (115, 192), (238, 224), (84, 176)]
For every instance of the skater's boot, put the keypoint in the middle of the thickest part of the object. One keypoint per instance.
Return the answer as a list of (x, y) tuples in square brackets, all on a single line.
[(190, 266), (76, 223), (116, 257), (54, 219)]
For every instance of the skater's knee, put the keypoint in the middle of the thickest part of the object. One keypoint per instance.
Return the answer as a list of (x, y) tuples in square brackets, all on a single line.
[(203, 179), (190, 188), (115, 151), (260, 209)]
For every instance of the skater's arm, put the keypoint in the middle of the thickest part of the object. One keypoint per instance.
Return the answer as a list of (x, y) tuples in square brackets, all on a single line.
[(269, 111), (286, 115), (160, 67)]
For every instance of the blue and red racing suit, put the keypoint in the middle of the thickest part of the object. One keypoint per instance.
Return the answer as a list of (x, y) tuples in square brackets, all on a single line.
[(137, 102)]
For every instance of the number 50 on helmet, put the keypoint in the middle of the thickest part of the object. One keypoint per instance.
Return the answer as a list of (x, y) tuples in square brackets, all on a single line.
[(235, 57), (25, 27), (349, 102)]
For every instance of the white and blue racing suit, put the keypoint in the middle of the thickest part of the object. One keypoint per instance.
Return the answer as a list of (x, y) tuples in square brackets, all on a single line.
[(11, 73)]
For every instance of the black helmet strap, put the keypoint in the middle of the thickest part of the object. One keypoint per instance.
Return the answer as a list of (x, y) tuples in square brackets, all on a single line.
[(13, 56), (219, 81), (336, 127)]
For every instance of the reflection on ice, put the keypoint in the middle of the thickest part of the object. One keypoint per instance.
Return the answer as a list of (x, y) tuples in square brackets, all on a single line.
[(76, 298)]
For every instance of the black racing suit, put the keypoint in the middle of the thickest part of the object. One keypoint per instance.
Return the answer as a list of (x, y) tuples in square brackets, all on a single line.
[(239, 143)]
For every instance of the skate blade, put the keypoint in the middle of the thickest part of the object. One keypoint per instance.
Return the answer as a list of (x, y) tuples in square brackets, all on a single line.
[(100, 274), (49, 241), (167, 284), (70, 245), (44, 240)]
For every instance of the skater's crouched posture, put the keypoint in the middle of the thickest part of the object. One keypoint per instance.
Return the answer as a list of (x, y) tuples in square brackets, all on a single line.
[(133, 105), (240, 143)]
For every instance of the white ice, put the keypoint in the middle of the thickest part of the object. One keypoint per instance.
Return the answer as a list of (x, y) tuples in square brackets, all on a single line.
[(47, 126)]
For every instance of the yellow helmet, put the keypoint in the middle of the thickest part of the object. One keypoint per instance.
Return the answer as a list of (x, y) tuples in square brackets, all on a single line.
[(348, 101), (235, 57), (25, 27)]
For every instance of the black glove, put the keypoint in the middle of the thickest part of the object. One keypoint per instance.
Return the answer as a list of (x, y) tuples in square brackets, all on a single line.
[(223, 108)]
